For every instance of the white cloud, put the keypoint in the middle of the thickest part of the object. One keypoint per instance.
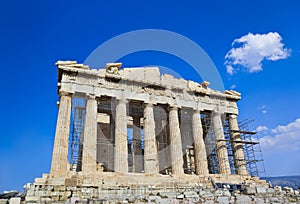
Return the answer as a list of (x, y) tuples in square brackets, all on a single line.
[(285, 138), (233, 86), (250, 50), (229, 69), (262, 128), (263, 109)]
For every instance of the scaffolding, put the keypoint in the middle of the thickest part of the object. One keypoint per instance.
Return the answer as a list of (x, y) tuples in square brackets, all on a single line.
[(76, 133), (210, 143), (251, 146), (252, 150)]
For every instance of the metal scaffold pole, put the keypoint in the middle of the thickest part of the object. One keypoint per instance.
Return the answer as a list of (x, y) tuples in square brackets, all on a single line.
[(76, 133)]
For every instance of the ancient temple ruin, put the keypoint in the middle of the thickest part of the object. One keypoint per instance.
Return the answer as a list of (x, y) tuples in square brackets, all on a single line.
[(132, 130)]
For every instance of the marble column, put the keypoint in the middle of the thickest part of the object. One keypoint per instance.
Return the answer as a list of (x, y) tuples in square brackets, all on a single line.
[(150, 147), (199, 146), (59, 164), (112, 136), (160, 118), (121, 149), (222, 153), (237, 148), (175, 142), (137, 146), (89, 153)]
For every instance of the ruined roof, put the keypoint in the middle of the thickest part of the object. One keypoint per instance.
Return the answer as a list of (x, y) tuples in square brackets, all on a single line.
[(147, 75)]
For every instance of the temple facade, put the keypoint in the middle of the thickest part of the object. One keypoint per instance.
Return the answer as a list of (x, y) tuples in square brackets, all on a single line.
[(137, 121), (132, 128)]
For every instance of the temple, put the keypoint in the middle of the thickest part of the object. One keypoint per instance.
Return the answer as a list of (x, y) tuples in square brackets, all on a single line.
[(131, 128)]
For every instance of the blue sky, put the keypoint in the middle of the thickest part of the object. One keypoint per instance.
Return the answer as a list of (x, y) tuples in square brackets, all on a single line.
[(35, 34)]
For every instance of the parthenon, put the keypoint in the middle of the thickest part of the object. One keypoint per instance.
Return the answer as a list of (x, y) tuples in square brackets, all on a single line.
[(133, 127)]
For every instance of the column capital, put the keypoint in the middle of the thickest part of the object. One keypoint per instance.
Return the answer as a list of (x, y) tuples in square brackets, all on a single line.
[(65, 93), (196, 111), (215, 112), (173, 107), (122, 100), (232, 116), (90, 96), (148, 105)]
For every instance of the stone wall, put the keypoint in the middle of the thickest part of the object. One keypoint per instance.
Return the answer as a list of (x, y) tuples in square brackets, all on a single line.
[(152, 194)]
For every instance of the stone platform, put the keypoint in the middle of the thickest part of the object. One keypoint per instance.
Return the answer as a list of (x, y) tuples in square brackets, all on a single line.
[(115, 186)]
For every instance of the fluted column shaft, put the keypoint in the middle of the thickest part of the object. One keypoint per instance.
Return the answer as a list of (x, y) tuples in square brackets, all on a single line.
[(222, 153), (59, 164), (137, 146), (175, 142), (199, 146), (121, 149), (150, 148), (237, 148), (89, 153)]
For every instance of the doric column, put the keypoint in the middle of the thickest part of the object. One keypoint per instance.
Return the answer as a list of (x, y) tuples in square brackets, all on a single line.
[(175, 142), (89, 152), (150, 148), (160, 119), (237, 148), (199, 146), (59, 164), (222, 154), (137, 146), (111, 139), (121, 149)]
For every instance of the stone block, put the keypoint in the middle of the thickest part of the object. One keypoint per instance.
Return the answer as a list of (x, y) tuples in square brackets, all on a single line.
[(167, 80), (46, 200), (218, 193), (169, 194), (209, 202), (68, 194), (232, 200), (32, 199), (191, 194), (250, 191), (136, 74), (223, 199), (180, 84), (56, 181), (71, 182), (258, 200), (274, 200), (3, 201), (30, 192), (236, 193), (73, 200), (261, 190), (40, 181), (153, 198), (42, 193), (288, 189), (152, 75), (226, 193), (166, 200), (207, 195), (194, 86), (15, 200), (270, 190), (242, 199)]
